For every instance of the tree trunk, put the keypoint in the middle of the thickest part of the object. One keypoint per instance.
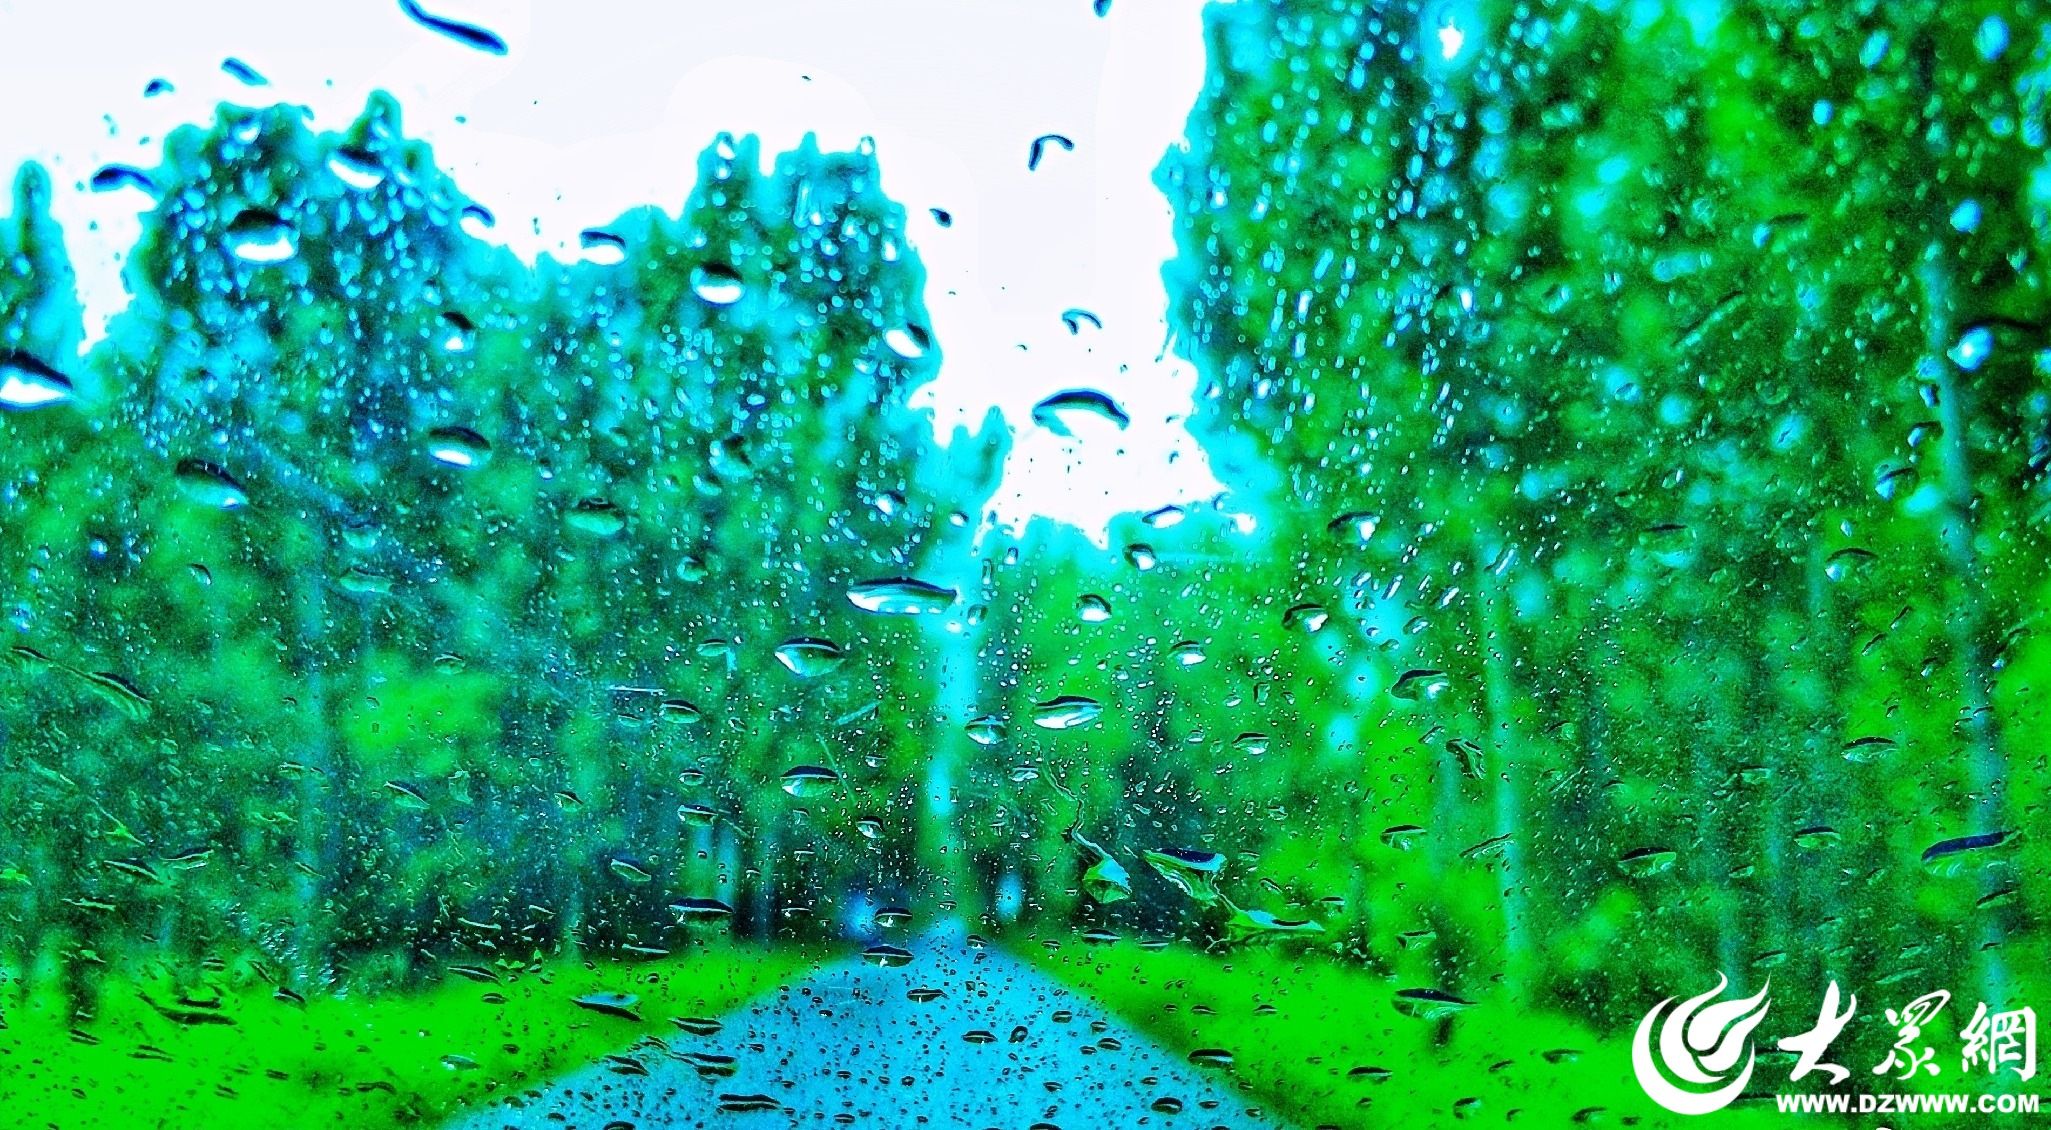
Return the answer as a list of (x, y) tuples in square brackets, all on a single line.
[(1967, 623), (1508, 744)]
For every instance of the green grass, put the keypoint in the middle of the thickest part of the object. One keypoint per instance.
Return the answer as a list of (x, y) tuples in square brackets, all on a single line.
[(357, 1061), (1298, 1025)]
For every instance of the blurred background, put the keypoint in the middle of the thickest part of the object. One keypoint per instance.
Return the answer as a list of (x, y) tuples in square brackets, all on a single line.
[(1375, 541)]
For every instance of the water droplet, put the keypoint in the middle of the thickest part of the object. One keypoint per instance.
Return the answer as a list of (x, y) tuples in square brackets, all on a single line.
[(1429, 1004), (1866, 750), (1467, 753), (1848, 562), (717, 284), (629, 869), (113, 178), (1192, 871), (908, 341), (209, 484), (597, 517), (808, 657), (458, 333), (806, 781), (1991, 38), (1253, 925), (458, 447), (1972, 349), (1897, 482), (1401, 836), (1420, 685), (987, 729), (1645, 862), (1066, 712), (1040, 146), (901, 596), (602, 247), (1816, 837), (1061, 412), (697, 815), (700, 912), (469, 35), (477, 219), (243, 73), (1306, 618), (28, 383), (358, 168), (626, 1006), (257, 235), (889, 957), (1107, 881), (407, 795), (1963, 854), (1092, 609), (1966, 217)]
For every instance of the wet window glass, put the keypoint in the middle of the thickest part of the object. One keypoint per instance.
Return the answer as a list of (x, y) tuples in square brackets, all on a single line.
[(1278, 563)]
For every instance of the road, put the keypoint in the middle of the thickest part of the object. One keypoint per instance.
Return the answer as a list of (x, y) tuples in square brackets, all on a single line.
[(848, 1046)]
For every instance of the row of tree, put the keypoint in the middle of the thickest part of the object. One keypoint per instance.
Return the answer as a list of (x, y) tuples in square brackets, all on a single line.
[(376, 597)]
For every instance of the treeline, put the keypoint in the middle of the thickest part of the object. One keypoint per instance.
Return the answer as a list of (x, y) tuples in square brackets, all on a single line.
[(1655, 402), (375, 597)]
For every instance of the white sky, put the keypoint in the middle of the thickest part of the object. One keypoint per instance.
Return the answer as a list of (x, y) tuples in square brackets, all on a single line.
[(602, 105)]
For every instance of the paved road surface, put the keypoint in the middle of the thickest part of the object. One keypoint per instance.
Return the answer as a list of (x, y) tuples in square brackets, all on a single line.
[(846, 1047)]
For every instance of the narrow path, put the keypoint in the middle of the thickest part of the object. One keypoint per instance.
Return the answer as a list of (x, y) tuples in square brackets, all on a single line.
[(848, 1046)]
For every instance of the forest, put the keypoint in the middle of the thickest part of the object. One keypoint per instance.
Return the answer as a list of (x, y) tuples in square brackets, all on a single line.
[(1637, 443)]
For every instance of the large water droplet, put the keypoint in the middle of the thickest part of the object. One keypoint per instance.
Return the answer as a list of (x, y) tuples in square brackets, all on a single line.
[(1192, 871), (28, 383), (210, 484), (808, 657), (469, 35), (1061, 412), (805, 781), (717, 284), (458, 447), (901, 596), (1420, 684), (358, 168), (602, 247), (257, 235), (596, 517), (987, 729), (1066, 712)]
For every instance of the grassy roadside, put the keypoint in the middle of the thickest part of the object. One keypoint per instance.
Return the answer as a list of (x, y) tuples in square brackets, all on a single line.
[(362, 1061), (1321, 1044)]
